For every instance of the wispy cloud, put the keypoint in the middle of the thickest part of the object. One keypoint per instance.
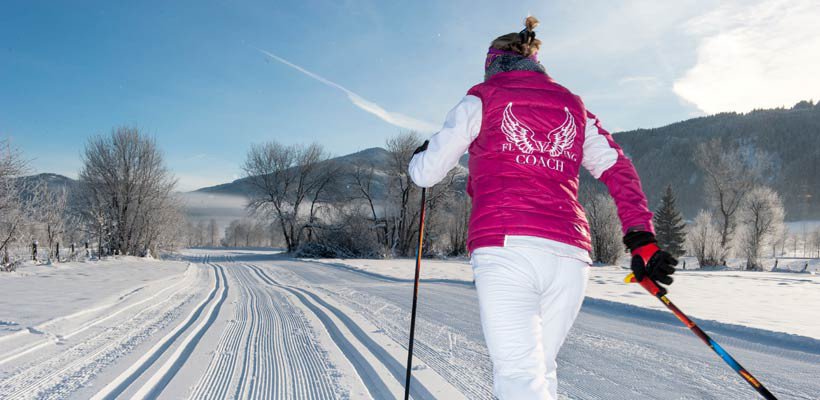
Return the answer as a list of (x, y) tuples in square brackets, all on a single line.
[(759, 55), (393, 118)]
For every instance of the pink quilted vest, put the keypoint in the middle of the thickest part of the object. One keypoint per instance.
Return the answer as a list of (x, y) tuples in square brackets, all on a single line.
[(524, 164)]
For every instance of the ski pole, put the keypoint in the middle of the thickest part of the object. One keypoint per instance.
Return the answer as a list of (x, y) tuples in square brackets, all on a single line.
[(653, 289), (415, 295)]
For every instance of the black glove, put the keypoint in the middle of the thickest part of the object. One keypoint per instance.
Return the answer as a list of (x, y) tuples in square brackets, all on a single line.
[(648, 260), (422, 147)]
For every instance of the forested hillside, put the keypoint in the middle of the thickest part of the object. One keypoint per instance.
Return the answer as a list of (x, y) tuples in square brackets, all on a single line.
[(790, 138)]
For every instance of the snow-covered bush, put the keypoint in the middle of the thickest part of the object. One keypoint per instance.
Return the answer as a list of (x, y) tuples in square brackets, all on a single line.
[(321, 250), (351, 235), (604, 227)]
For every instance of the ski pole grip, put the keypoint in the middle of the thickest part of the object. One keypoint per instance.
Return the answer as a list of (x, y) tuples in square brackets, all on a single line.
[(647, 284)]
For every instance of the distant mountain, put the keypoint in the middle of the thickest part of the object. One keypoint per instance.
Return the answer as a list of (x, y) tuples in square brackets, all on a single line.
[(663, 156), (378, 157), (53, 181)]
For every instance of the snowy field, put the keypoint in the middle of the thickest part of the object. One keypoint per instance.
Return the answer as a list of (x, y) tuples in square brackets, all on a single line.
[(774, 301), (254, 324)]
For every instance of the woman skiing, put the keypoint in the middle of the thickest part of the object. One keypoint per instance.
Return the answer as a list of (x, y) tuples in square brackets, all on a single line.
[(529, 240)]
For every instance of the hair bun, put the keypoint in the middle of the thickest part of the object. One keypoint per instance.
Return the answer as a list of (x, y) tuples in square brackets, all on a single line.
[(531, 22)]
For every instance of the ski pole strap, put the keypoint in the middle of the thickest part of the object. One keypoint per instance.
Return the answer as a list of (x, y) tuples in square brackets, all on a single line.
[(646, 252)]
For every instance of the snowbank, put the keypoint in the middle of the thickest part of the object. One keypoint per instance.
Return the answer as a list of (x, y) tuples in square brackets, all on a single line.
[(779, 302)]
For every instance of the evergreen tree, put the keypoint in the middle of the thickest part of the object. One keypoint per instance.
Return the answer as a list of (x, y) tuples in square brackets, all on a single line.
[(669, 225)]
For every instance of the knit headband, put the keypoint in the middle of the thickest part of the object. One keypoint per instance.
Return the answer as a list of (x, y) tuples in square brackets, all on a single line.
[(494, 53)]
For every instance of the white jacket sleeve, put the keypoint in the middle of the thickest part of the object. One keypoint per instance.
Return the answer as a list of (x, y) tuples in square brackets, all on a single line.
[(599, 156), (447, 146)]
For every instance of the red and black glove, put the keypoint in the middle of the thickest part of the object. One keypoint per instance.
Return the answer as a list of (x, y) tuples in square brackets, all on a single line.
[(648, 260)]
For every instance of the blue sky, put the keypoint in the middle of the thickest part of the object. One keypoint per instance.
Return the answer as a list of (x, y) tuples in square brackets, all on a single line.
[(191, 73)]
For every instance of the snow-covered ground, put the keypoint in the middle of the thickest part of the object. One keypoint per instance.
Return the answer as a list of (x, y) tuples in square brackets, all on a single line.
[(255, 324)]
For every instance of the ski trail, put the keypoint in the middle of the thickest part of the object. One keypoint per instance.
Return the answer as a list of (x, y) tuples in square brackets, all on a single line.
[(369, 376), (154, 386), (126, 378), (268, 351), (218, 376), (466, 366)]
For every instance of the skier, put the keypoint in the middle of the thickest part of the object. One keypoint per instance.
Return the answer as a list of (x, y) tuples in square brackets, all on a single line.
[(529, 240)]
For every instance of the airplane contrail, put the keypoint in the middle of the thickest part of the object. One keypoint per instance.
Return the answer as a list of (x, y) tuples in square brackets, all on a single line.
[(393, 118)]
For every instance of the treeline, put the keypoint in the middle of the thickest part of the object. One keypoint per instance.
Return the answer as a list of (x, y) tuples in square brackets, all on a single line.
[(245, 232), (123, 204)]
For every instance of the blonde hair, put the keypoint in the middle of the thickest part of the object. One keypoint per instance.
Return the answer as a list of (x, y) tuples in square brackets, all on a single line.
[(523, 42)]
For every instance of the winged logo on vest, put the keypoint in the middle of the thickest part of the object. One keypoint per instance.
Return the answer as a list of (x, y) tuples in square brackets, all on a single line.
[(521, 136)]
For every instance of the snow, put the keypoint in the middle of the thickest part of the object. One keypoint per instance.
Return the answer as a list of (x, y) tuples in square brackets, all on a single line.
[(36, 294), (251, 323), (779, 302)]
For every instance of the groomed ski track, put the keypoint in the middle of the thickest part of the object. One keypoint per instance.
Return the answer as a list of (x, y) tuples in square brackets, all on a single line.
[(259, 326)]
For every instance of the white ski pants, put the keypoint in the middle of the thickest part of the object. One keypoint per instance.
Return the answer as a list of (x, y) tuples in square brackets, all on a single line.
[(528, 299)]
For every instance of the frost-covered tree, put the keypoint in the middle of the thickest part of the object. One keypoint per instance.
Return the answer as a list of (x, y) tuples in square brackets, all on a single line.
[(247, 233), (127, 193), (284, 178), (761, 219), (729, 176), (12, 208), (403, 196), (51, 210), (670, 230), (401, 208), (213, 233), (815, 241), (703, 239), (604, 227), (364, 186)]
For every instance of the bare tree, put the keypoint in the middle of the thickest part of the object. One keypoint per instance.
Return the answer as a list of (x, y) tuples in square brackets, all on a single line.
[(51, 207), (163, 229), (728, 177), (761, 216), (604, 227), (12, 208), (233, 233), (458, 225), (399, 211), (201, 233), (363, 178), (703, 239), (213, 233), (815, 240), (247, 233), (128, 192), (283, 177), (321, 184)]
